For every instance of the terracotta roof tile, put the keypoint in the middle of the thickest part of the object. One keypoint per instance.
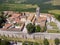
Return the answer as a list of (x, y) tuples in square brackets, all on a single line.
[(7, 26), (15, 15), (40, 19), (31, 17)]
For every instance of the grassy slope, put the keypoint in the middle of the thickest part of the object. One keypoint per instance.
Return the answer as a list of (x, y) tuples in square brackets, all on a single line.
[(45, 5), (56, 2), (17, 7)]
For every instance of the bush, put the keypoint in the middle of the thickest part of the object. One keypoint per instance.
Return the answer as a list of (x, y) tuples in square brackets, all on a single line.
[(30, 27), (57, 41), (38, 28), (43, 29), (4, 42), (30, 43), (2, 19), (46, 42), (35, 43), (27, 43)]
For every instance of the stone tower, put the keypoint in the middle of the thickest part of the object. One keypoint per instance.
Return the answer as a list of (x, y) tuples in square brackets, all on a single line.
[(38, 11)]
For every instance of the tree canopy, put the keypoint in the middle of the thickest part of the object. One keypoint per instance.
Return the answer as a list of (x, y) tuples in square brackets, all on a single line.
[(2, 19), (38, 28), (46, 42), (33, 28), (30, 27), (57, 41), (4, 42)]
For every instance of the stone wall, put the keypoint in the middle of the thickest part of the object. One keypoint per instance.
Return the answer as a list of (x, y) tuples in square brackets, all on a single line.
[(32, 36)]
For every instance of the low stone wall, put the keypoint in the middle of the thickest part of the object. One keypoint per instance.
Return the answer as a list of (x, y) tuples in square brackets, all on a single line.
[(32, 36)]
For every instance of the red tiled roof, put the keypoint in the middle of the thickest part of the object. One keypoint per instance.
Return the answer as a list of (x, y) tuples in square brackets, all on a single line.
[(17, 20), (7, 25), (15, 15), (33, 20), (31, 17), (40, 19)]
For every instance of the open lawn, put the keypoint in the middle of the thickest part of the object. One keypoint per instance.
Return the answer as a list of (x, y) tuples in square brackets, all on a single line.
[(56, 2), (53, 31), (55, 28), (18, 7), (54, 11), (53, 24)]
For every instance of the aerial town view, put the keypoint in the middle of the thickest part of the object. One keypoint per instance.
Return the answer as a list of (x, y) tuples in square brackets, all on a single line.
[(29, 22)]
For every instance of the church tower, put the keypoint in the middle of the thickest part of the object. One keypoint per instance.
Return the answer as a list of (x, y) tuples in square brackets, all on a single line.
[(38, 11)]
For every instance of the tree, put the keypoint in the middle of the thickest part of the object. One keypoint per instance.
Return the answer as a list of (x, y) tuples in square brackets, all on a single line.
[(35, 43), (30, 43), (57, 41), (0, 41), (30, 27), (2, 19), (7, 43), (44, 29), (38, 28), (46, 42), (27, 43), (4, 42)]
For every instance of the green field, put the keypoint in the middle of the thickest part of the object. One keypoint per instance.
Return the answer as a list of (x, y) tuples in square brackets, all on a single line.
[(30, 5), (53, 31), (46, 6), (56, 2), (17, 7), (54, 11)]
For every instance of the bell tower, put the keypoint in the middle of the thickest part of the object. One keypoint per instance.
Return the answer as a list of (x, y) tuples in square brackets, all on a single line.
[(38, 11)]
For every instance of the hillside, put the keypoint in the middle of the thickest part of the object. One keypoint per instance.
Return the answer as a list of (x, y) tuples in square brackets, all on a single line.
[(54, 2), (45, 5)]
